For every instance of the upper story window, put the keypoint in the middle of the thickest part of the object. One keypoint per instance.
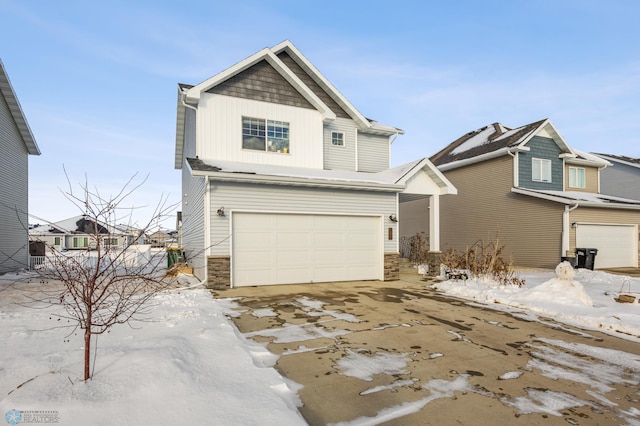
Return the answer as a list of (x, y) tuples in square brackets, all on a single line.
[(577, 177), (337, 138), (265, 135), (540, 170)]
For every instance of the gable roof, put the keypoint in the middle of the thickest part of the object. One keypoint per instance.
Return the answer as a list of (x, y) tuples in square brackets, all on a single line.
[(188, 96), (6, 91), (81, 224), (495, 140)]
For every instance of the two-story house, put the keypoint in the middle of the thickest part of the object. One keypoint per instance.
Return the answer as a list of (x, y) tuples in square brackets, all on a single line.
[(16, 144), (622, 178), (540, 196), (285, 181)]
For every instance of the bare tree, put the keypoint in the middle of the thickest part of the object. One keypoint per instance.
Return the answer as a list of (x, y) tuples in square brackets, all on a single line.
[(112, 279)]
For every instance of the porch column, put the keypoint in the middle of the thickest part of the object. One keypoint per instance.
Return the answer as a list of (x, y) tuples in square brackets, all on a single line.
[(434, 223)]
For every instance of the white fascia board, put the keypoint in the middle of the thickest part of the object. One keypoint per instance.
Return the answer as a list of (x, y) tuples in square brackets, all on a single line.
[(296, 181), (322, 81), (576, 202), (583, 162), (446, 187), (180, 121), (557, 137), (611, 161), (545, 196)]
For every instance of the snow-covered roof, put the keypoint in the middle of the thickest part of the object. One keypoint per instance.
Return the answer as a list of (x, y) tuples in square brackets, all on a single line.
[(622, 159), (72, 225), (393, 180), (6, 91), (589, 199)]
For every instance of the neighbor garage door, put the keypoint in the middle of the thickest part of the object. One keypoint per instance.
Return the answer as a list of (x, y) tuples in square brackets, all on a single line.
[(299, 248), (617, 244)]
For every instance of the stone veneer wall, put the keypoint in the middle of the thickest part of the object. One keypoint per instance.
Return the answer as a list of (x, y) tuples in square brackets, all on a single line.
[(218, 272), (434, 259), (391, 266)]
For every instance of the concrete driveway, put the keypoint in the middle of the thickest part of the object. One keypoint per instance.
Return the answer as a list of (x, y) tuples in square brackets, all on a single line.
[(398, 353)]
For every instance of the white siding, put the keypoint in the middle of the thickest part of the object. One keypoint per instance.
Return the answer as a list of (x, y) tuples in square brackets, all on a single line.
[(14, 237), (219, 132), (373, 153), (269, 198), (193, 233), (340, 157)]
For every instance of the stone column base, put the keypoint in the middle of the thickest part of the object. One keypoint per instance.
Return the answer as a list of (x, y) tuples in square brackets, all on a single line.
[(391, 266), (218, 272), (434, 259)]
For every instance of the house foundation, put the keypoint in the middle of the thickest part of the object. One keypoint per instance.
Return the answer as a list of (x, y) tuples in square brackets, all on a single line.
[(391, 266), (434, 259), (218, 272)]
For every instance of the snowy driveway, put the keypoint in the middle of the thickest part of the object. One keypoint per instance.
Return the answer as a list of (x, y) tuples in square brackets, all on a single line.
[(398, 352)]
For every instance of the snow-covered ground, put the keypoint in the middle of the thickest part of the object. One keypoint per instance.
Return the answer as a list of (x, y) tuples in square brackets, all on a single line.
[(188, 364), (587, 301)]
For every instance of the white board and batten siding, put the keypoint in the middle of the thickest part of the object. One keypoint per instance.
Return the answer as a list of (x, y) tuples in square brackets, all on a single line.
[(325, 209), (14, 238), (617, 244), (219, 132)]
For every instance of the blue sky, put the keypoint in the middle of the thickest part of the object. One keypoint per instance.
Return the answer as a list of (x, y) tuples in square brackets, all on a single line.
[(98, 80)]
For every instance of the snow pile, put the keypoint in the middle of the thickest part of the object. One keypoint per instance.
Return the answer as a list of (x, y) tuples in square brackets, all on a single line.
[(186, 365), (584, 298)]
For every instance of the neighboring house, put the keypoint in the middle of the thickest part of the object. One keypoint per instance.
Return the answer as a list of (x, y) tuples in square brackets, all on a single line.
[(541, 197), (16, 144), (284, 181), (160, 238), (78, 233), (622, 178)]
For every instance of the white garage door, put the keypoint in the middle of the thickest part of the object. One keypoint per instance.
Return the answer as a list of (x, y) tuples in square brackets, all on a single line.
[(299, 248), (617, 244)]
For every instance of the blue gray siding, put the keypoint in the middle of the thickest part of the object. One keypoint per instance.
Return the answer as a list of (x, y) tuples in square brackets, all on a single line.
[(620, 180), (373, 153), (544, 148), (270, 198), (14, 238)]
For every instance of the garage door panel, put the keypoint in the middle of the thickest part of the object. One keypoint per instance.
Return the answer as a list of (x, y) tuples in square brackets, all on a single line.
[(298, 248), (616, 244)]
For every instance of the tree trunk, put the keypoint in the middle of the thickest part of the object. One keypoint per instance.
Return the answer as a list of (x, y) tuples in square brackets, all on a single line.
[(87, 351)]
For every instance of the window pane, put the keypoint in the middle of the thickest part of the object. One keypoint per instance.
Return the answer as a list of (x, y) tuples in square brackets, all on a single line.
[(546, 170), (278, 136), (337, 138), (535, 169), (253, 133)]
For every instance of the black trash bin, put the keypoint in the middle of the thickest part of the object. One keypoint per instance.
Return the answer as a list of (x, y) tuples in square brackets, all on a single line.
[(586, 257)]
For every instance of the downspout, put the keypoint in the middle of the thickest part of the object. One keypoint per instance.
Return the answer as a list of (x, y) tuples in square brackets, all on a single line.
[(356, 150), (184, 103), (391, 143), (565, 228)]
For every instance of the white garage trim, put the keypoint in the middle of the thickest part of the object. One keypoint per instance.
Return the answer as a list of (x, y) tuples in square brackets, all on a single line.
[(289, 247), (617, 244)]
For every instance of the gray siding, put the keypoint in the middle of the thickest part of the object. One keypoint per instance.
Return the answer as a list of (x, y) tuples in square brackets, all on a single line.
[(621, 180), (340, 157), (262, 82), (193, 240), (544, 148), (270, 198), (189, 150), (14, 237), (373, 153)]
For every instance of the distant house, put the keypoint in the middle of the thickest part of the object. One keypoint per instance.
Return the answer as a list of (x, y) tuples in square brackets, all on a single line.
[(78, 233), (538, 194), (622, 178), (159, 238), (285, 181), (16, 144)]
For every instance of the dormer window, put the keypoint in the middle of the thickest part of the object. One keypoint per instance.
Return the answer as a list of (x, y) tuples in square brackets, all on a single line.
[(265, 135), (577, 177), (540, 170)]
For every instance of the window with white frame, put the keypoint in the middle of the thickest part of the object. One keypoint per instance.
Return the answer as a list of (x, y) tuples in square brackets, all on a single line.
[(56, 241), (577, 177), (265, 135), (540, 170), (337, 139)]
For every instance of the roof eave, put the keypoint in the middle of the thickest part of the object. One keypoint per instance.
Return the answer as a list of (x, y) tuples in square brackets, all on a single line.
[(580, 203), (473, 160)]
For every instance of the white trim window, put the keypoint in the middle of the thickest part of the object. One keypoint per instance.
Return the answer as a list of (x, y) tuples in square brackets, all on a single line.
[(265, 135), (337, 139), (577, 177), (540, 170)]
